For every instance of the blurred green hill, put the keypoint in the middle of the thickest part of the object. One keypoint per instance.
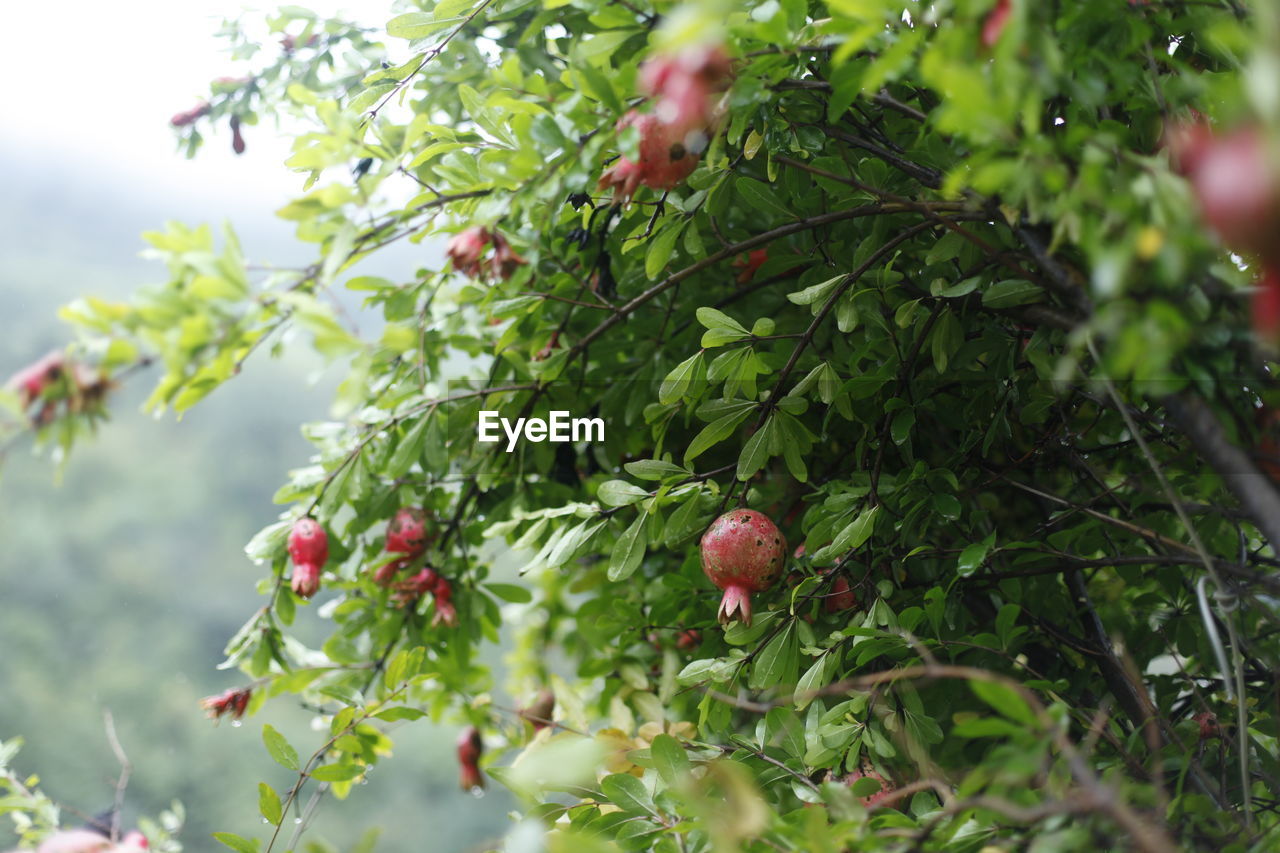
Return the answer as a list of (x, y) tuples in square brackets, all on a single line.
[(119, 587)]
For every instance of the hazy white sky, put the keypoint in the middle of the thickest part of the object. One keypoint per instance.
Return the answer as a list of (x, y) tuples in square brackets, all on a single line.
[(93, 84)]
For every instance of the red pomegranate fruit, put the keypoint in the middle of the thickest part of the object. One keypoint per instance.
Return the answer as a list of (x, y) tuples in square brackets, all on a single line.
[(309, 550), (875, 799), (1208, 723), (689, 640), (840, 597), (742, 552), (685, 82), (666, 156), (470, 748), (407, 532), (995, 23)]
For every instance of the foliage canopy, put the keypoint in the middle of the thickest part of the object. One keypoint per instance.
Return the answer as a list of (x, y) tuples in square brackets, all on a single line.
[(991, 370)]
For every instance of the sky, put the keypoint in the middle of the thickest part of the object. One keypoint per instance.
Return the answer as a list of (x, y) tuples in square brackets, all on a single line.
[(90, 85)]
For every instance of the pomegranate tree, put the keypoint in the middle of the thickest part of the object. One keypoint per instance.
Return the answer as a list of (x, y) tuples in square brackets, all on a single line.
[(309, 550), (742, 552)]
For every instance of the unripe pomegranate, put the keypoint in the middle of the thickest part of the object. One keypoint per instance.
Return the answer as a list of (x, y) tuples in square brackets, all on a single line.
[(237, 141), (539, 712), (871, 800), (407, 532), (309, 550), (689, 640), (841, 596), (470, 748), (742, 552), (995, 23), (666, 156)]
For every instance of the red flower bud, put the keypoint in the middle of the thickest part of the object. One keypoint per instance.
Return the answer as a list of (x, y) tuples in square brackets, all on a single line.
[(470, 748), (31, 380), (446, 613), (237, 141), (465, 250), (409, 591), (306, 580), (231, 703)]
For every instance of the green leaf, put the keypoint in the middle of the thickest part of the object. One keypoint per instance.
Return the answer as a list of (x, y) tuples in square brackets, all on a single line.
[(714, 433), (760, 197), (972, 557), (269, 804), (278, 748), (669, 758), (1008, 294), (628, 553), (713, 319), (655, 469), (1004, 699), (627, 793), (660, 251), (510, 592), (681, 378), (336, 772), (816, 293), (409, 449), (235, 842), (755, 453), (620, 493), (778, 661)]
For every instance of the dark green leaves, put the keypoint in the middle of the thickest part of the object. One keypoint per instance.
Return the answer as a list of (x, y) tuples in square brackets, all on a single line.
[(628, 553), (279, 749)]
